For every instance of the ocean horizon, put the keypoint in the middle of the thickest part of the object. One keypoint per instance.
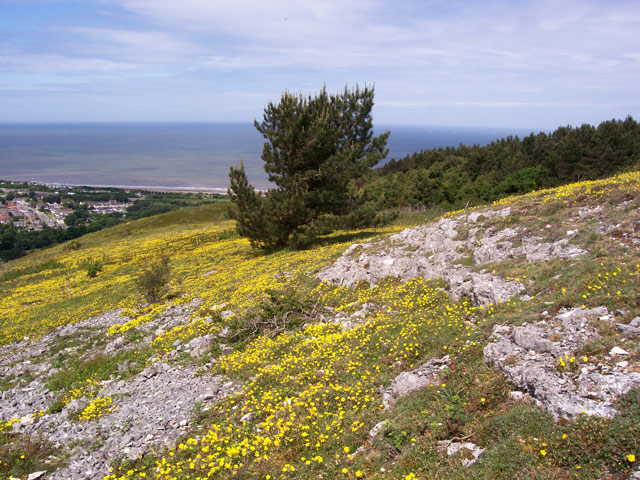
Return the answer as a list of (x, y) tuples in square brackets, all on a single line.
[(188, 156)]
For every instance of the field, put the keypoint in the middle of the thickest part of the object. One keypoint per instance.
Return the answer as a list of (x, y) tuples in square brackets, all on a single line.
[(314, 357)]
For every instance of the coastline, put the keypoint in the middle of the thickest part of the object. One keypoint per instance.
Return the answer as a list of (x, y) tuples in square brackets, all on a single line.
[(145, 188), (158, 188)]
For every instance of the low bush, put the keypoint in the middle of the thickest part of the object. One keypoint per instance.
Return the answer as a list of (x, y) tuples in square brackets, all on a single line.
[(153, 283)]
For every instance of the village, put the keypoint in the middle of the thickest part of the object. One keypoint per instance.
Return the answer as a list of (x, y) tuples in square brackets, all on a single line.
[(24, 206)]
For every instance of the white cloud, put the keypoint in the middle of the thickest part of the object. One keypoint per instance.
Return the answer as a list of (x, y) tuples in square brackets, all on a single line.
[(495, 54), (488, 103)]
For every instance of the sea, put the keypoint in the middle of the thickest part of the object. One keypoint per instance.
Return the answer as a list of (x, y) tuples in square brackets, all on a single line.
[(193, 156)]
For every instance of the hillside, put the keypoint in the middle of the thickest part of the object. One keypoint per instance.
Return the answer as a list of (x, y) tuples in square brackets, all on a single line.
[(493, 342), (453, 177)]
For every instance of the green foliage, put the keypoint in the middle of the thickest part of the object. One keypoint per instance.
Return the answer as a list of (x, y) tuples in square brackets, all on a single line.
[(93, 267), (455, 177), (316, 147), (154, 281), (15, 242), (72, 246), (157, 203), (603, 442), (522, 181), (40, 267), (78, 217), (21, 455), (281, 310)]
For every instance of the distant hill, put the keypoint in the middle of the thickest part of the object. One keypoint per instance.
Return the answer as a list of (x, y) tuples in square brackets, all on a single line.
[(470, 175)]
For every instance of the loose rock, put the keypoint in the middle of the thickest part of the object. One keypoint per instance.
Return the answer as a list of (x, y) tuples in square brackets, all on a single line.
[(408, 382), (563, 393)]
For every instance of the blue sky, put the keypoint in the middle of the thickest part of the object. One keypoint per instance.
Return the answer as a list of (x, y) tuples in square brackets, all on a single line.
[(490, 63)]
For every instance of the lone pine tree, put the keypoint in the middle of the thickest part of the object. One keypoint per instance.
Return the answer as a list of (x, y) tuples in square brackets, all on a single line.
[(316, 147)]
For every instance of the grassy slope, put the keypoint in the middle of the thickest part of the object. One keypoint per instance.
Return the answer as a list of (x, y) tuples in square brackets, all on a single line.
[(314, 392)]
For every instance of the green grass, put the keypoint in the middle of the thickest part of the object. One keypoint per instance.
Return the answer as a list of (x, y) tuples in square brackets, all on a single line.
[(19, 272), (306, 374)]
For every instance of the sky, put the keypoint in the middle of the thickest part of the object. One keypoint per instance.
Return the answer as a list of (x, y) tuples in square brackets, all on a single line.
[(525, 64)]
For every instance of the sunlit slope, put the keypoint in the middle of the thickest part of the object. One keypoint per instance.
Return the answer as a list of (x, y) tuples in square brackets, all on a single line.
[(312, 395), (207, 260), (314, 368)]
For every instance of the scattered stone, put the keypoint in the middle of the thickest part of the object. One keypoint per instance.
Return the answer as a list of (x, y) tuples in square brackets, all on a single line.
[(247, 417), (200, 346), (563, 394), (150, 406), (532, 338), (585, 212), (628, 330), (618, 351), (359, 451), (134, 453), (432, 251), (377, 429), (408, 382), (26, 420), (117, 344), (35, 475), (470, 450), (517, 396), (543, 252), (225, 350)]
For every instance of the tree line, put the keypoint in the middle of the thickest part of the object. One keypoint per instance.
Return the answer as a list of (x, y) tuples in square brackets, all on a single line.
[(320, 152), (453, 177)]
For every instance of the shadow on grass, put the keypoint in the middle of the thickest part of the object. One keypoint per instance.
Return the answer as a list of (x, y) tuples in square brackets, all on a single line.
[(346, 237), (319, 242)]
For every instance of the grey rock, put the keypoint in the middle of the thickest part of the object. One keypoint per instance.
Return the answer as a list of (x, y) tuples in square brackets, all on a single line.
[(430, 251), (117, 344), (26, 420), (200, 346), (532, 338), (563, 395), (407, 382), (618, 351), (474, 451), (247, 417), (517, 396), (77, 405), (543, 252), (36, 475), (133, 453), (225, 350), (147, 403), (589, 212), (628, 330), (377, 429)]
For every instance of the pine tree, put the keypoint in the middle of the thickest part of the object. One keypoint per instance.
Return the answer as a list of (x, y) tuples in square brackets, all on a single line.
[(316, 147)]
